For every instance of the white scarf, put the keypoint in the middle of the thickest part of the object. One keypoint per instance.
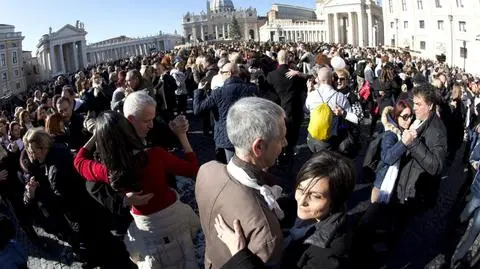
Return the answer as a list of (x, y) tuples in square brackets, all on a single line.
[(270, 194)]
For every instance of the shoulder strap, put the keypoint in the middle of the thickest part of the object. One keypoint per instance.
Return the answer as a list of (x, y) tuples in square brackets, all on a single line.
[(332, 96), (320, 96)]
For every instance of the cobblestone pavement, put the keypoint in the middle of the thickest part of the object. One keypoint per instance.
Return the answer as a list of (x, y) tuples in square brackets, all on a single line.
[(427, 239)]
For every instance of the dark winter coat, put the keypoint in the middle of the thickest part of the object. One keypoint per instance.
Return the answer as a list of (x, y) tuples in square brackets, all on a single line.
[(392, 148), (292, 93), (76, 136), (219, 101), (421, 170), (391, 90), (325, 246)]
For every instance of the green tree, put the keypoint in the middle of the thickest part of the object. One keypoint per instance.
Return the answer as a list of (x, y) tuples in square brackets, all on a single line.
[(234, 32)]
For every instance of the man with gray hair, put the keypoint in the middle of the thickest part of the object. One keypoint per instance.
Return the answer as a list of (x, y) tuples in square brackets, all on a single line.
[(139, 108), (240, 190)]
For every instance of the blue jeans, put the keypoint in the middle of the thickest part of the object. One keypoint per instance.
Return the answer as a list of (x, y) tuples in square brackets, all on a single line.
[(472, 231)]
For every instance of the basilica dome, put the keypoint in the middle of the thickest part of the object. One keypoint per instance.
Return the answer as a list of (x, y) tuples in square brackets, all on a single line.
[(221, 5)]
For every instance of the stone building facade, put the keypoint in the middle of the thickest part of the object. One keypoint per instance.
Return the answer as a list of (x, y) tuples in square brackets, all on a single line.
[(356, 22), (124, 47), (63, 51), (430, 28), (12, 79), (214, 23)]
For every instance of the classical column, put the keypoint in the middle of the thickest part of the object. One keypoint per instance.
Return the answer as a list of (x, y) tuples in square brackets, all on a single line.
[(45, 60), (370, 27), (62, 60), (194, 34), (335, 28), (201, 32), (216, 31), (75, 56), (350, 29), (223, 31), (53, 60), (361, 34)]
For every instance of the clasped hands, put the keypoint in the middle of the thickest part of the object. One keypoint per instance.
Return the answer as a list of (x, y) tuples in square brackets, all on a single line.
[(408, 136)]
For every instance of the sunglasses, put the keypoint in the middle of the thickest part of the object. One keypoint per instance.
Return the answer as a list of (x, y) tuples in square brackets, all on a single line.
[(406, 116)]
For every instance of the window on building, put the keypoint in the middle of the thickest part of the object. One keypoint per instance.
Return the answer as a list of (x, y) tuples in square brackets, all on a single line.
[(14, 57), (405, 24), (404, 5), (392, 24), (390, 6), (420, 4), (4, 76), (2, 60), (2, 46), (422, 45), (14, 45), (422, 24), (18, 85), (463, 52), (459, 3), (16, 72), (440, 25), (438, 4), (462, 26)]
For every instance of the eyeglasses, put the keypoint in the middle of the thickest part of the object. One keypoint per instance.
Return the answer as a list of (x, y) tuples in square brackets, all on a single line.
[(341, 79), (406, 116)]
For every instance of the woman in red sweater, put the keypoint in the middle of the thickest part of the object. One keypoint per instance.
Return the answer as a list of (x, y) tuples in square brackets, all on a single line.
[(163, 229)]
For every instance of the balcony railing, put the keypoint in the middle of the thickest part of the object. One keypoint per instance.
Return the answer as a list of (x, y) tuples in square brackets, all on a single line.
[(10, 35)]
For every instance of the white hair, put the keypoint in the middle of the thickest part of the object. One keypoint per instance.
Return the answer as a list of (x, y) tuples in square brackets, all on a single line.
[(251, 118), (282, 57), (136, 102)]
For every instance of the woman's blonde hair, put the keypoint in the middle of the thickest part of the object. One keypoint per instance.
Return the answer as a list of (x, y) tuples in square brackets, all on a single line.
[(21, 117), (456, 92), (343, 72), (39, 137)]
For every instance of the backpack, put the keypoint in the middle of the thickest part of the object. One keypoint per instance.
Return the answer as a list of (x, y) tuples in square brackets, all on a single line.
[(321, 119), (372, 156), (372, 159)]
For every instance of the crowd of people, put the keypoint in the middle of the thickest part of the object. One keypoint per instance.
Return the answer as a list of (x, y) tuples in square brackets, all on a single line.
[(93, 157)]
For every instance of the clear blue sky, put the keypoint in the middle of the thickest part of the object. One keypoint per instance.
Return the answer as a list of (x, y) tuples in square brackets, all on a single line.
[(107, 18)]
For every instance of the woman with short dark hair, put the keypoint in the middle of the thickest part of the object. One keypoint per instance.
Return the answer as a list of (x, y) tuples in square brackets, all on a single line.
[(320, 238)]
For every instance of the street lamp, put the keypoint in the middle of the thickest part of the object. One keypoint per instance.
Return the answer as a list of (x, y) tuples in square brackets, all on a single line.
[(450, 18)]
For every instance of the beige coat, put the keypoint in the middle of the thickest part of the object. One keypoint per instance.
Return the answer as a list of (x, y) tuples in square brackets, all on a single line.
[(217, 193)]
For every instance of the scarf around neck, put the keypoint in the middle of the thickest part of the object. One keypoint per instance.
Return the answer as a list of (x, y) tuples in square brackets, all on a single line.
[(252, 177)]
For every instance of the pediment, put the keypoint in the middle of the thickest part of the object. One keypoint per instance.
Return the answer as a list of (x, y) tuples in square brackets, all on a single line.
[(68, 31)]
